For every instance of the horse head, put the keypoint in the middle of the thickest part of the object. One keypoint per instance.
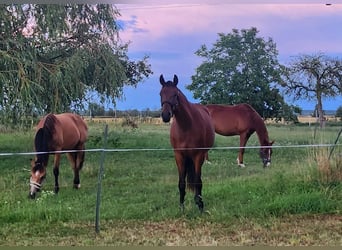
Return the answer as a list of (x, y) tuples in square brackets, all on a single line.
[(38, 174), (266, 153), (169, 95)]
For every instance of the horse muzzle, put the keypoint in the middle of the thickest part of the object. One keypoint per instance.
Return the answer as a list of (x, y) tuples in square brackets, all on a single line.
[(166, 116), (266, 162), (32, 195), (34, 188)]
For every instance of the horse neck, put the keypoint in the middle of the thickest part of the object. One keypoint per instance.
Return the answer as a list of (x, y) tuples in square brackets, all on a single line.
[(183, 112), (261, 132)]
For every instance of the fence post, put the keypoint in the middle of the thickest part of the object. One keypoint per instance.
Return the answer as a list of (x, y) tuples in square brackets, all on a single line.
[(338, 136), (99, 183)]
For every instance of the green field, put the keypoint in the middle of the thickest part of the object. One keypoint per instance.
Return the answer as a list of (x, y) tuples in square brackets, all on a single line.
[(297, 201)]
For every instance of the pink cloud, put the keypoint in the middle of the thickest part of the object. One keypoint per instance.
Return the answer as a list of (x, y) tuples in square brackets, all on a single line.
[(294, 27)]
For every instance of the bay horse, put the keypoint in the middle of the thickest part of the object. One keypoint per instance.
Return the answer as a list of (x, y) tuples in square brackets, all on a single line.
[(57, 132), (243, 120), (192, 134)]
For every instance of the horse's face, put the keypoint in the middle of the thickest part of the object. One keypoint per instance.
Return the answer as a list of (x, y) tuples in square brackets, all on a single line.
[(168, 97), (266, 153), (38, 173)]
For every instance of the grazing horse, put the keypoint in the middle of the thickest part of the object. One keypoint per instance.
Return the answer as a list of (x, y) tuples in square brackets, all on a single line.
[(241, 120), (192, 134), (55, 133)]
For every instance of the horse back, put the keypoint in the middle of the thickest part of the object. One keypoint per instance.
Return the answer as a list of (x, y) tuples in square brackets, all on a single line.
[(233, 119), (73, 130), (67, 130)]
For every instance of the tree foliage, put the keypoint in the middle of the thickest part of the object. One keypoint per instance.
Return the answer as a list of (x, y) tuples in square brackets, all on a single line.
[(240, 68), (52, 55), (313, 77), (339, 113)]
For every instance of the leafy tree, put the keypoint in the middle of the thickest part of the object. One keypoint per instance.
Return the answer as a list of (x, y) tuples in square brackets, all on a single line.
[(339, 112), (314, 77), (96, 109), (240, 67), (52, 55)]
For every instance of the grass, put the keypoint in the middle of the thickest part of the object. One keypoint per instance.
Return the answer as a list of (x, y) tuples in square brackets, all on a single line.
[(291, 203)]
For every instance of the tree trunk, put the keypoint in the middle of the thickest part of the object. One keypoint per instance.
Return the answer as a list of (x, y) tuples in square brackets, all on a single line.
[(320, 110)]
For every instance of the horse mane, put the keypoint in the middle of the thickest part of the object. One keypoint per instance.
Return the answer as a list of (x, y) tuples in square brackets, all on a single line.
[(44, 135)]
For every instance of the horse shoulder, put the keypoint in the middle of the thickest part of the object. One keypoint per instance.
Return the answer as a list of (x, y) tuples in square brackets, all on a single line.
[(208, 129)]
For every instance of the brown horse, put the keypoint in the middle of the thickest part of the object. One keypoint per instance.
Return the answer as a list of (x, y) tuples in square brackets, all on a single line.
[(242, 120), (55, 133), (192, 134)]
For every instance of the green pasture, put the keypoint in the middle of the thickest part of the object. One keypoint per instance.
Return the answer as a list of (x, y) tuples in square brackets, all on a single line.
[(139, 200)]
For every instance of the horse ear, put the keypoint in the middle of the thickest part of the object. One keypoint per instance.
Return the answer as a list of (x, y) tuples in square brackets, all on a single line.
[(271, 143), (175, 80), (161, 80)]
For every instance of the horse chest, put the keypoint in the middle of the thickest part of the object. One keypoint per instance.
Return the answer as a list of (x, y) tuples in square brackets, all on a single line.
[(191, 137)]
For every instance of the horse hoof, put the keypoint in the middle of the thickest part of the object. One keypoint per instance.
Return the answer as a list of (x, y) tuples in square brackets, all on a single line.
[(199, 202), (207, 212), (32, 195), (181, 207), (241, 165), (77, 186)]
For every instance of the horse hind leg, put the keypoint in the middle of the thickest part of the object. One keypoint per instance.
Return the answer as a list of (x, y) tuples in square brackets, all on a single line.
[(198, 181), (73, 160)]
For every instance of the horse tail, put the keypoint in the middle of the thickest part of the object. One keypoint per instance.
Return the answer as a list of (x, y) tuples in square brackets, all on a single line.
[(190, 169)]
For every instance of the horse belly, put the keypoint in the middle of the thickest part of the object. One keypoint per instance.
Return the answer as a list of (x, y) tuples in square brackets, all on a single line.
[(227, 126)]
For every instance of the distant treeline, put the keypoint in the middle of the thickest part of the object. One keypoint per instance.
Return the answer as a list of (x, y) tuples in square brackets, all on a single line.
[(156, 113), (123, 113), (312, 112)]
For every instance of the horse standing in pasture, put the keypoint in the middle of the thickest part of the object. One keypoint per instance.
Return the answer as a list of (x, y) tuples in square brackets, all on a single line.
[(243, 120), (56, 133), (192, 134)]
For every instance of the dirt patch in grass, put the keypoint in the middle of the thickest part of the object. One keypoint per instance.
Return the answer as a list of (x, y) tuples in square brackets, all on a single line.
[(290, 231), (311, 230)]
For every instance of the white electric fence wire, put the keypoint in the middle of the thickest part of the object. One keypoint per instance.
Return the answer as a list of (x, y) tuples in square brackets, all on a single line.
[(164, 149)]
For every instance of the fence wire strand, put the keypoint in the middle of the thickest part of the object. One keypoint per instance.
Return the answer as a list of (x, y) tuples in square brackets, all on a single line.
[(165, 149)]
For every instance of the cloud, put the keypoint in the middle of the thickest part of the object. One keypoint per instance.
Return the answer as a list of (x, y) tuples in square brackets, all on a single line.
[(171, 33), (151, 26)]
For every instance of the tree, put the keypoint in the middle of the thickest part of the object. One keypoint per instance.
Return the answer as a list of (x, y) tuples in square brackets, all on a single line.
[(96, 109), (52, 55), (313, 77), (339, 112), (240, 67)]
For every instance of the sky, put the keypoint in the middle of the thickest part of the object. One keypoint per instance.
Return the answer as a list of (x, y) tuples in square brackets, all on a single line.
[(170, 33)]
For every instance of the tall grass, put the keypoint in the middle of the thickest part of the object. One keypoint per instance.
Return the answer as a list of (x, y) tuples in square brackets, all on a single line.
[(329, 169), (140, 186)]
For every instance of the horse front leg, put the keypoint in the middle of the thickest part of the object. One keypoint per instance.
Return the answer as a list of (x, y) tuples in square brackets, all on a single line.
[(181, 180), (56, 171), (243, 141)]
